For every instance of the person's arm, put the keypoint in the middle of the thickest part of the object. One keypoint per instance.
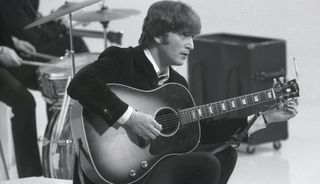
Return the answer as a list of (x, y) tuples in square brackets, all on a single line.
[(8, 57), (23, 46), (281, 112), (90, 89)]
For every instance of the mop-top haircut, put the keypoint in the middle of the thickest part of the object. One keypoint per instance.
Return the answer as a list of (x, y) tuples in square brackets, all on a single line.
[(169, 16)]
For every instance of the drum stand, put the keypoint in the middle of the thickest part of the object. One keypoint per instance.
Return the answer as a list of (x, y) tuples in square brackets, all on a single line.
[(62, 117)]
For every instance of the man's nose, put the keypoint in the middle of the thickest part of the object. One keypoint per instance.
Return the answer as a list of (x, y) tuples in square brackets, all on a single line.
[(190, 44)]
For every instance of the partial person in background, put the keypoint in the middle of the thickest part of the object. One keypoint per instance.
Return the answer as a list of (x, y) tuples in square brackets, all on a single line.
[(166, 40), (16, 95), (49, 38)]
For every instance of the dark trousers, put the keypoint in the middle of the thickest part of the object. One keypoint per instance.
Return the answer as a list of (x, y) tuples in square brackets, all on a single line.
[(24, 132), (199, 167), (13, 92)]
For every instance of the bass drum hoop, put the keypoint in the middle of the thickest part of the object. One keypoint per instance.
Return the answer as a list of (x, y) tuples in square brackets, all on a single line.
[(58, 156)]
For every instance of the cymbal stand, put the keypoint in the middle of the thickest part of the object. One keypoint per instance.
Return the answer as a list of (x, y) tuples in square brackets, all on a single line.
[(66, 99), (71, 51), (105, 38), (105, 26)]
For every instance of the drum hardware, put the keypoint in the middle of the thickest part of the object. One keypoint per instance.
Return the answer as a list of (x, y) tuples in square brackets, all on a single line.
[(36, 63), (104, 16), (46, 141), (67, 8), (53, 80), (43, 56), (4, 164), (112, 36)]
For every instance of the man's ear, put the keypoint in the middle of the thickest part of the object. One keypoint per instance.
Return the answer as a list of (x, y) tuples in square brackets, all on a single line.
[(161, 40), (158, 39)]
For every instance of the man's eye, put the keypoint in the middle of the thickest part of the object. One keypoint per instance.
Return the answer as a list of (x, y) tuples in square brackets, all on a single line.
[(188, 34)]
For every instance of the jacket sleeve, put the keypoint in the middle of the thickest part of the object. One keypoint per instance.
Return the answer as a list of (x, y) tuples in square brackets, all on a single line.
[(90, 89)]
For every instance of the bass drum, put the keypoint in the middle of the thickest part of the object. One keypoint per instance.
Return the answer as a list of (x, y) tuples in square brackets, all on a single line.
[(58, 152)]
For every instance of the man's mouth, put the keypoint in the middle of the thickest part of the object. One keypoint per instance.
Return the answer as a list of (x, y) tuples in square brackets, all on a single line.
[(185, 54)]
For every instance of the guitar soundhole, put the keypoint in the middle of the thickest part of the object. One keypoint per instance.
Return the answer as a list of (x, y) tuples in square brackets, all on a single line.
[(169, 120)]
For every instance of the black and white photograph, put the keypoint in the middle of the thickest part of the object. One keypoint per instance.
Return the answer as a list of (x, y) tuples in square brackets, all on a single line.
[(159, 92)]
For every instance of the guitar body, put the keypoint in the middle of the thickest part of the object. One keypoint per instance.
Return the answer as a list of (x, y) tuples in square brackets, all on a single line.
[(114, 154)]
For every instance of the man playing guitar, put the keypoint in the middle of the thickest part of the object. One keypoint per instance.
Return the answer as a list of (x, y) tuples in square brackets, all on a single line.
[(166, 40)]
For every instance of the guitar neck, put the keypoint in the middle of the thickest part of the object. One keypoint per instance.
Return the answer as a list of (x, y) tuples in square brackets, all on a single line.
[(225, 106)]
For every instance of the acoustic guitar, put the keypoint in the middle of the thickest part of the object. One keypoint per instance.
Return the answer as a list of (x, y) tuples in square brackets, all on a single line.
[(114, 154)]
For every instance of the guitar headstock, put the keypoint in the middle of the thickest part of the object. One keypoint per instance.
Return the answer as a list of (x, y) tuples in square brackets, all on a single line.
[(285, 89)]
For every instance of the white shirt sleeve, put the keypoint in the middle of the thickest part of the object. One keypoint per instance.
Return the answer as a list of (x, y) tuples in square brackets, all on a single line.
[(257, 125), (126, 115)]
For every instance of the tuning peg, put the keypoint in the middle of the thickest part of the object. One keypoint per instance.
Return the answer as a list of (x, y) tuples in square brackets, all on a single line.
[(275, 81), (281, 79)]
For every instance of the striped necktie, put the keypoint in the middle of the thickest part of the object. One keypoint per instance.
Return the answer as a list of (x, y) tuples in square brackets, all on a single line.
[(162, 78)]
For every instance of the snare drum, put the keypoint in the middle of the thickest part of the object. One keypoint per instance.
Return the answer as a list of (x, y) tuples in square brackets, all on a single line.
[(53, 80)]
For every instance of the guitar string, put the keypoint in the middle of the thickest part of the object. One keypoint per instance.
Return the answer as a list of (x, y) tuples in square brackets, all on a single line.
[(171, 120), (168, 116)]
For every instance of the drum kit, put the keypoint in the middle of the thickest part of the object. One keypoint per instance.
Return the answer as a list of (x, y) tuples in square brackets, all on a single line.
[(57, 148)]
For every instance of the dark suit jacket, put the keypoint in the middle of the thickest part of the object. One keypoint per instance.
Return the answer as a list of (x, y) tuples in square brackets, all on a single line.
[(48, 38), (130, 66), (19, 13)]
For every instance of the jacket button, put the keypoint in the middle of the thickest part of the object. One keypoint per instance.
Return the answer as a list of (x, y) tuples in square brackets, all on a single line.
[(105, 111)]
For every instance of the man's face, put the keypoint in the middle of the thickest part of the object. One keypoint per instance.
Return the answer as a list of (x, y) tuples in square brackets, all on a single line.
[(175, 48)]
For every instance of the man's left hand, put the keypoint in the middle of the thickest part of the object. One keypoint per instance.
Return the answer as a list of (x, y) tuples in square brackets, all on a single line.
[(282, 112)]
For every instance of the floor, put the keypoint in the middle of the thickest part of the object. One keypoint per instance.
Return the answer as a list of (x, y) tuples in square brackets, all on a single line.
[(296, 162)]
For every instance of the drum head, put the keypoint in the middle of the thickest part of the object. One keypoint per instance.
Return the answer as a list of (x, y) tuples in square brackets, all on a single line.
[(63, 65), (53, 79)]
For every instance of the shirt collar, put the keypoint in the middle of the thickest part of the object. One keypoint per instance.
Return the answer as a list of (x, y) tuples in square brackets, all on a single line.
[(154, 64)]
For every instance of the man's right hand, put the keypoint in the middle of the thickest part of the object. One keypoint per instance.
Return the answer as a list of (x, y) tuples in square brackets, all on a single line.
[(9, 58), (144, 125)]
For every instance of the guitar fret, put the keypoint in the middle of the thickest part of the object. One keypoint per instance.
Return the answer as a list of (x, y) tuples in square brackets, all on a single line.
[(193, 114), (256, 98), (238, 102), (227, 105), (186, 116), (269, 95), (215, 108), (243, 101), (233, 103), (264, 96), (250, 99), (199, 111), (210, 109), (205, 108), (224, 106), (183, 117), (219, 110)]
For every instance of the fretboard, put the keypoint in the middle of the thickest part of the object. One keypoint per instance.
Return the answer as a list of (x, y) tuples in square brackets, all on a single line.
[(225, 106)]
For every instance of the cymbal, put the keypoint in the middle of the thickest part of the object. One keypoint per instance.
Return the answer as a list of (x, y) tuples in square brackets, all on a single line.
[(104, 14), (67, 8)]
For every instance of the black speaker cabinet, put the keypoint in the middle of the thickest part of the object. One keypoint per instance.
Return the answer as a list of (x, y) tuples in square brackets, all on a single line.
[(225, 65)]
